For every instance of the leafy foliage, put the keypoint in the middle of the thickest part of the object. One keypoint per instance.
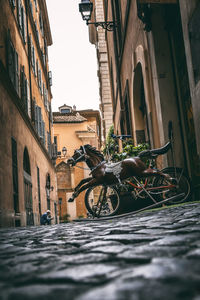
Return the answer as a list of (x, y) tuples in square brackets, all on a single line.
[(111, 149)]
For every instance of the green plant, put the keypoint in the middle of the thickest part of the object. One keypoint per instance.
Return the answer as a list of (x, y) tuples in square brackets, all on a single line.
[(129, 150), (65, 218)]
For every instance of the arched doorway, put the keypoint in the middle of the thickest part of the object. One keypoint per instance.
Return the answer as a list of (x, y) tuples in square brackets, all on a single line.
[(28, 188), (142, 134)]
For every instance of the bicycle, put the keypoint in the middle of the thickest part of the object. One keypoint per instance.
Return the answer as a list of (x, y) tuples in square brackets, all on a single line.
[(102, 197)]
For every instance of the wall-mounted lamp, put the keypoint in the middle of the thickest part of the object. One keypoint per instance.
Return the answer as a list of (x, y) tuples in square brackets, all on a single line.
[(52, 188), (64, 151), (86, 8)]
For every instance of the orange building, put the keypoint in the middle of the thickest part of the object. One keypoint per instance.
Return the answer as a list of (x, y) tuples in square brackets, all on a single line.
[(72, 129), (27, 172)]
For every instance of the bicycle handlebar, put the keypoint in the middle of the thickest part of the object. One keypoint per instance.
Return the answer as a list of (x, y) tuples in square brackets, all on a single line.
[(121, 137)]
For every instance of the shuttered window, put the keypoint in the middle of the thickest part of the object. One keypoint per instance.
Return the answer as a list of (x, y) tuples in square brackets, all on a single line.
[(12, 63), (28, 98), (21, 16), (32, 54), (25, 92), (49, 142), (23, 24), (22, 84), (31, 7), (39, 124), (15, 175), (12, 3), (40, 80), (41, 24), (19, 13)]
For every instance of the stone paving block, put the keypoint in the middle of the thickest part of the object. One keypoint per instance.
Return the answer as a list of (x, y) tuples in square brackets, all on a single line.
[(153, 255)]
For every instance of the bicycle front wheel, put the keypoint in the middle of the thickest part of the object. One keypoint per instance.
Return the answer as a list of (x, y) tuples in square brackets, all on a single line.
[(182, 185), (102, 201)]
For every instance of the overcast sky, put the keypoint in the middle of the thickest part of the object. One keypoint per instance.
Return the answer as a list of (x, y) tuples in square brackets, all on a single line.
[(72, 59)]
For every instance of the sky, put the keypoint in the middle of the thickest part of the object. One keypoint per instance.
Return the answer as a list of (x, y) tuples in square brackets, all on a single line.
[(72, 58)]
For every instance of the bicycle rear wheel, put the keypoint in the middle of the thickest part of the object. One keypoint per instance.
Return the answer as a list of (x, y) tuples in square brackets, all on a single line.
[(182, 185), (100, 202)]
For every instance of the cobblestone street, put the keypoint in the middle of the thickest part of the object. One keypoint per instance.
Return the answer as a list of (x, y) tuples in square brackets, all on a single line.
[(152, 255)]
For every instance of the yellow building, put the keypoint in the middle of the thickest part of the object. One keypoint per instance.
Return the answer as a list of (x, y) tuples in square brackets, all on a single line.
[(27, 174), (72, 129)]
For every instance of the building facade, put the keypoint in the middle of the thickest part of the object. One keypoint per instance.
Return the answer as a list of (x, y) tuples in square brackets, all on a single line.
[(154, 73), (72, 129), (27, 174), (97, 37)]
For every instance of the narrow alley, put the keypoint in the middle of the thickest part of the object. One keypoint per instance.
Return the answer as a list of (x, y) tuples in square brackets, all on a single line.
[(152, 255)]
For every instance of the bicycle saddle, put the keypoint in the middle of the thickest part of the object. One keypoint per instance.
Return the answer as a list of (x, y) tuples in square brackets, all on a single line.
[(155, 152)]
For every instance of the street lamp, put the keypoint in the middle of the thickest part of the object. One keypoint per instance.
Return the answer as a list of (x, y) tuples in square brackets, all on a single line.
[(64, 151), (86, 8)]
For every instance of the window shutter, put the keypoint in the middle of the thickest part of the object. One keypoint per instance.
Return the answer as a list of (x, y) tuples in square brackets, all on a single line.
[(30, 48), (28, 99), (37, 69), (19, 14), (31, 7), (39, 79), (13, 4), (34, 60), (36, 8), (22, 82), (23, 23), (43, 133), (16, 73), (50, 78), (49, 142), (41, 24), (10, 58), (39, 122), (25, 95)]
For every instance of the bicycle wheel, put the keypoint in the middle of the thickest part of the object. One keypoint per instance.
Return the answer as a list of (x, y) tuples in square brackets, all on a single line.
[(100, 206), (182, 185)]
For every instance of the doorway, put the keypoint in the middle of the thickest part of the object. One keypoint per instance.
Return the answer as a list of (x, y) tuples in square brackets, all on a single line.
[(28, 189)]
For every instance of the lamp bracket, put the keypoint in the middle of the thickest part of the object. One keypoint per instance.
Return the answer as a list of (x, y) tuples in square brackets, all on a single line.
[(109, 26)]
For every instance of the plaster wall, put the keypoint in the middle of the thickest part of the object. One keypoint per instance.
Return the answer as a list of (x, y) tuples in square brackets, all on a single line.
[(13, 125), (187, 9)]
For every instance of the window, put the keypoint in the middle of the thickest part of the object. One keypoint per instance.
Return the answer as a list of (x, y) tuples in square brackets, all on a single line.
[(21, 16), (50, 78), (25, 92), (37, 33), (38, 184), (65, 110), (32, 55), (15, 175), (39, 124), (40, 80), (31, 7), (12, 64), (45, 95), (13, 4), (49, 142), (56, 143), (41, 24)]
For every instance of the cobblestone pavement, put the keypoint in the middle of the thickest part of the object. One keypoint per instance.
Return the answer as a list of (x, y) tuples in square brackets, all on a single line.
[(153, 255)]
